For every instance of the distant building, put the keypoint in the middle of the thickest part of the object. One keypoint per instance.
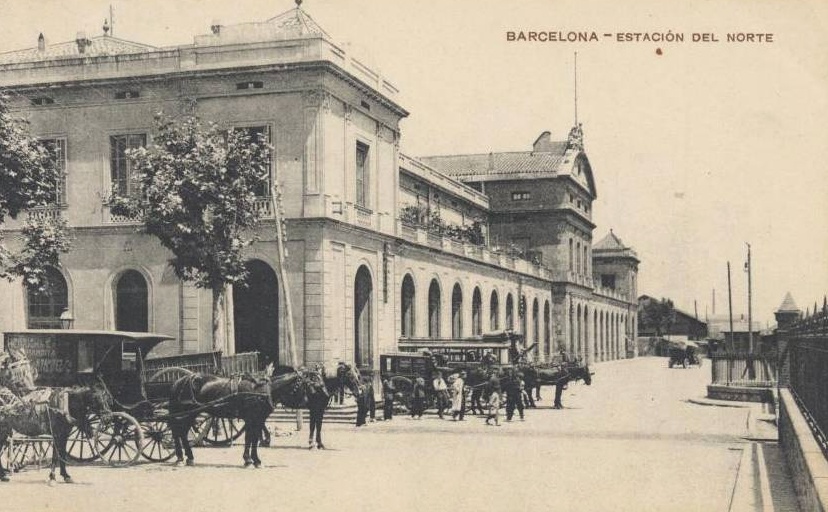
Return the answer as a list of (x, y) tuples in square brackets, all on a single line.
[(685, 326)]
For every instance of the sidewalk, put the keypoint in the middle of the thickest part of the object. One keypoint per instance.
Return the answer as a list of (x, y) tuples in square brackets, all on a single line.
[(763, 481)]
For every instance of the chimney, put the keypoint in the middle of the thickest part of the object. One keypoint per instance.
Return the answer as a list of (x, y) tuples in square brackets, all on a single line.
[(215, 27), (41, 43)]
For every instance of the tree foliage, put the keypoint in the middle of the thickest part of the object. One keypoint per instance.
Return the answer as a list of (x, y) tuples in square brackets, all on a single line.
[(659, 315), (28, 179), (196, 192)]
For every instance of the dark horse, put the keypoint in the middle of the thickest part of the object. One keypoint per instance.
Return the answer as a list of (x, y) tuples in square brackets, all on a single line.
[(246, 398), (347, 377), (558, 376), (46, 419)]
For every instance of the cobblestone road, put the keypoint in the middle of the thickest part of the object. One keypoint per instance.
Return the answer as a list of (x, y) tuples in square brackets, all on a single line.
[(631, 441)]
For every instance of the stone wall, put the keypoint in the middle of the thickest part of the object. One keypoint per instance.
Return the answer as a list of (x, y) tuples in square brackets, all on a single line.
[(808, 465)]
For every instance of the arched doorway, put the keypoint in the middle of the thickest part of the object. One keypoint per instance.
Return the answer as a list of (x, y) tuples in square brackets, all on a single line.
[(363, 322), (457, 312), (407, 315), (131, 302), (45, 305), (434, 309), (536, 327), (256, 312)]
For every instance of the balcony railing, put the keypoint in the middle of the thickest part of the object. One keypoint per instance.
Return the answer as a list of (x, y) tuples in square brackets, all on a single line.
[(46, 212), (264, 207)]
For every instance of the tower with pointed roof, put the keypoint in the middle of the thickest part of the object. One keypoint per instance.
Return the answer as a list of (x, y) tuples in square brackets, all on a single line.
[(788, 312)]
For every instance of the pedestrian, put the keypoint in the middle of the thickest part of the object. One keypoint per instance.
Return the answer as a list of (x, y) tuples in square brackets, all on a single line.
[(458, 390), (388, 392), (440, 393), (340, 393), (494, 406), (513, 397), (366, 404), (418, 398), (524, 395)]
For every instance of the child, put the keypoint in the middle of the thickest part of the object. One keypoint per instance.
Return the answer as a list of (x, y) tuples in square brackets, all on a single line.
[(494, 406), (418, 398)]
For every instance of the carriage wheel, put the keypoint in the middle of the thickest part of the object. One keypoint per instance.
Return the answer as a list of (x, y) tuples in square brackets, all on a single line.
[(158, 441), (80, 446), (222, 431), (28, 452), (119, 440)]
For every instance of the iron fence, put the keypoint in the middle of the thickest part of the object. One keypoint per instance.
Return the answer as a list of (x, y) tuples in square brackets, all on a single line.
[(809, 384), (743, 369)]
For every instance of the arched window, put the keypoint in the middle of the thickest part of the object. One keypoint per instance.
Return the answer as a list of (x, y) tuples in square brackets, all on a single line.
[(547, 335), (46, 305), (536, 326), (477, 320), (510, 312), (457, 312), (407, 318), (494, 312), (363, 325), (131, 302), (434, 309)]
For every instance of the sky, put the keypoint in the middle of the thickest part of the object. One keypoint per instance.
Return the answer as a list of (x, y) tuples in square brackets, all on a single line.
[(696, 151)]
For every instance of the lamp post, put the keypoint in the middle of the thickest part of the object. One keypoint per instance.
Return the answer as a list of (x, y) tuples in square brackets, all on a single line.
[(66, 319)]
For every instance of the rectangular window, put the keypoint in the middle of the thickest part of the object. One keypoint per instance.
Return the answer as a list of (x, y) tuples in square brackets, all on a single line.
[(127, 95), (261, 134), (57, 150), (122, 173), (362, 175), (521, 196), (608, 281), (249, 85)]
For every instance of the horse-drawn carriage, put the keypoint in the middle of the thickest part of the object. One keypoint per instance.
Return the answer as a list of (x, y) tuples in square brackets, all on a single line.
[(684, 354), (113, 360), (139, 388)]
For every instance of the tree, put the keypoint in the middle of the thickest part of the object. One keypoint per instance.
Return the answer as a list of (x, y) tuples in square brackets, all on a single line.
[(659, 315), (196, 192), (28, 179)]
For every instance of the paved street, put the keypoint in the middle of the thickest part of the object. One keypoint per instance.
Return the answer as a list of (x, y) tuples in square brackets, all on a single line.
[(631, 441)]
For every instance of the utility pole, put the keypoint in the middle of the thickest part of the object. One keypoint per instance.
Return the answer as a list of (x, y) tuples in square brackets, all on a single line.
[(279, 216), (750, 308), (730, 307)]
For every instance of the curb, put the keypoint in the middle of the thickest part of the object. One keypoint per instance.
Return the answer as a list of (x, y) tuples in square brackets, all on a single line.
[(720, 403)]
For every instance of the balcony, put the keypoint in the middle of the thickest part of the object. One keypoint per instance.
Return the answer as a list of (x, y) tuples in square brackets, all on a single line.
[(421, 235), (52, 212), (264, 207)]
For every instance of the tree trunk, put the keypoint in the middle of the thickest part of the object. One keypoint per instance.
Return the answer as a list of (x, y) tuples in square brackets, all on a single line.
[(219, 320)]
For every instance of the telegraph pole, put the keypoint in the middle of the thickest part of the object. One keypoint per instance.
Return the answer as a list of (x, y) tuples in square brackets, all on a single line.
[(750, 309), (730, 306)]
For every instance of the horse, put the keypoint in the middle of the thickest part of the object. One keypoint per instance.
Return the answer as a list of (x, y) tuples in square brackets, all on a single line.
[(558, 376), (246, 398), (35, 418), (347, 377)]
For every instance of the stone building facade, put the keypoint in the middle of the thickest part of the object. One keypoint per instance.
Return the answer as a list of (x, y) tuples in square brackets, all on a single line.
[(381, 246)]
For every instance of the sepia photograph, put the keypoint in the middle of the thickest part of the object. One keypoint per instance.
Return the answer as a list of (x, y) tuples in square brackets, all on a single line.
[(363, 255)]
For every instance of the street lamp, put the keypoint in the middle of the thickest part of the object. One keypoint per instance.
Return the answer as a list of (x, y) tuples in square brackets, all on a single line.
[(66, 319)]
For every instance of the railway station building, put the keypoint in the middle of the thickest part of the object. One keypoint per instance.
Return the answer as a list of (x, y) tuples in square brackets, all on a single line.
[(384, 248)]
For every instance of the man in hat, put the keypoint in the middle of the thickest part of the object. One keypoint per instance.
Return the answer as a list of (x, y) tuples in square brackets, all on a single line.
[(440, 393)]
